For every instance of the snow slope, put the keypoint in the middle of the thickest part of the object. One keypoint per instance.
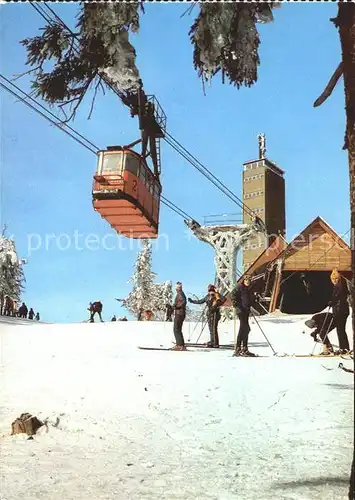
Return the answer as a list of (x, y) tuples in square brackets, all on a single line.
[(137, 424)]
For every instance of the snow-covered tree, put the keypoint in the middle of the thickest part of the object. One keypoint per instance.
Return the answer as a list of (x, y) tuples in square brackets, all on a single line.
[(11, 273), (147, 295), (99, 52)]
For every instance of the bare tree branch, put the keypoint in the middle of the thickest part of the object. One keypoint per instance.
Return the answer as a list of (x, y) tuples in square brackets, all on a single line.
[(330, 87), (26, 73), (94, 98)]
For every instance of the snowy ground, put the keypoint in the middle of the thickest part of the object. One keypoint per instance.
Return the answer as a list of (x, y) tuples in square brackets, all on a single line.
[(137, 424)]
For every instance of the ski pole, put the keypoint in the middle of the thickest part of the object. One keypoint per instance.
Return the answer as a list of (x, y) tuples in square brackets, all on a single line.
[(199, 320), (202, 331), (235, 329), (262, 331), (326, 335)]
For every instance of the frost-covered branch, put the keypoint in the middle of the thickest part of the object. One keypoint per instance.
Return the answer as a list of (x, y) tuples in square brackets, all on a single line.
[(99, 51), (225, 39)]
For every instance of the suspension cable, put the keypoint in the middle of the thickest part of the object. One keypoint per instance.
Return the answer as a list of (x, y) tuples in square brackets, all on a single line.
[(175, 208), (58, 124), (174, 143)]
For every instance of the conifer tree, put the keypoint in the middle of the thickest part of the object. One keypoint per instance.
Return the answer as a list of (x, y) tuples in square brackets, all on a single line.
[(147, 295), (11, 272)]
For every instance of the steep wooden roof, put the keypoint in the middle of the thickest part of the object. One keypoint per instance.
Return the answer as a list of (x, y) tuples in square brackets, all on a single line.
[(318, 248)]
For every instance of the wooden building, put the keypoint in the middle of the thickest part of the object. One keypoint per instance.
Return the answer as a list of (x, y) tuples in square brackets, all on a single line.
[(295, 278)]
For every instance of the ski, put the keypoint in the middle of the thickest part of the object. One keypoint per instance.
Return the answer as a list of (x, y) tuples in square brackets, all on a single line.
[(329, 356), (223, 346), (168, 349), (254, 356)]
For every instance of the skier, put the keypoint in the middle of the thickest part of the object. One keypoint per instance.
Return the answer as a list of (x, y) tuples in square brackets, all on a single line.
[(242, 299), (148, 315), (31, 314), (37, 317), (323, 324), (305, 283), (340, 307), (22, 312), (179, 317), (213, 300), (95, 307), (169, 310), (113, 318), (9, 306)]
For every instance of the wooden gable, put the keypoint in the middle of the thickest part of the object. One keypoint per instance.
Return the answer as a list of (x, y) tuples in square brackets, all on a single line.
[(317, 248)]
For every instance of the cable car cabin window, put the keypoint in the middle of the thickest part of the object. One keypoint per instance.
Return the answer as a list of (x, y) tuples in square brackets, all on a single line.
[(112, 164), (142, 174), (132, 164), (156, 192), (150, 184)]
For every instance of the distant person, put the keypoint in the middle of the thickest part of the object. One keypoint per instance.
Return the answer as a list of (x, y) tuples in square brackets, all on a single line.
[(14, 310), (95, 307), (242, 299), (8, 306), (148, 315), (214, 301), (340, 307), (37, 317), (124, 318), (169, 311), (113, 318), (179, 317), (31, 314), (322, 323), (22, 312)]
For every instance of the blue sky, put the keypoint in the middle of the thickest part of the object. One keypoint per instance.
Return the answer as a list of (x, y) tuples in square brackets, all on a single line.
[(47, 177)]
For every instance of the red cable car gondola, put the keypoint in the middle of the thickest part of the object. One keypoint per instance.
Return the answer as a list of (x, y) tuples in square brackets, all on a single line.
[(126, 193)]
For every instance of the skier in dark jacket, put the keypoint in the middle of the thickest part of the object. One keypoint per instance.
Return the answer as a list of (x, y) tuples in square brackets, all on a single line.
[(213, 301), (95, 307), (31, 314), (322, 324), (22, 312), (340, 307), (242, 299), (179, 317)]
